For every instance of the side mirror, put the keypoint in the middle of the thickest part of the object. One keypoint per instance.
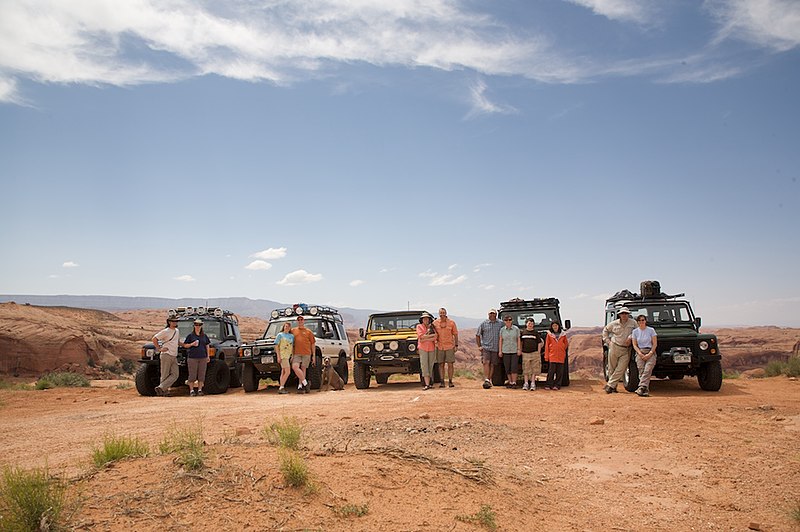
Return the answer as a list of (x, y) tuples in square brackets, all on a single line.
[(567, 324), (697, 322), (361, 332)]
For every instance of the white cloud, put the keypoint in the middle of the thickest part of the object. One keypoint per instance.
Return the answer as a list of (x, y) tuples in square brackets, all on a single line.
[(53, 276), (452, 266), (487, 286), (428, 273), (601, 297), (300, 277), (479, 267), (185, 278), (624, 10), (270, 254), (258, 265), (771, 24), (580, 296), (356, 282), (387, 270), (70, 264), (447, 280), (482, 105)]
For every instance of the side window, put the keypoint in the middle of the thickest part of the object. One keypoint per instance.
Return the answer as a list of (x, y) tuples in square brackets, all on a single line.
[(609, 317), (229, 332), (341, 331)]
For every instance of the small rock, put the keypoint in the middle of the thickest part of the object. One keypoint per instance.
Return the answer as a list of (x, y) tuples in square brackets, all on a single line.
[(754, 526), (425, 416), (241, 431), (792, 378), (766, 407), (597, 421), (780, 418)]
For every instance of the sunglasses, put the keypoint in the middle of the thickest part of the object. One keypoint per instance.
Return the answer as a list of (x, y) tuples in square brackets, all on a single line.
[(507, 319)]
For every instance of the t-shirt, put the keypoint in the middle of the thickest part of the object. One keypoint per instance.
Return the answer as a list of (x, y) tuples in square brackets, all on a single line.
[(424, 345), (447, 333), (285, 343), (530, 340), (509, 337), (200, 350), (168, 339), (644, 337), (304, 341)]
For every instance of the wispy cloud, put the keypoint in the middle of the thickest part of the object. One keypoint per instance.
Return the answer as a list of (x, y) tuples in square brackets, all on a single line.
[(580, 296), (258, 265), (487, 286), (53, 276), (70, 264), (185, 278), (356, 282), (480, 104), (387, 270), (773, 24), (479, 267), (446, 280), (452, 266), (428, 273), (300, 277), (624, 10), (270, 254)]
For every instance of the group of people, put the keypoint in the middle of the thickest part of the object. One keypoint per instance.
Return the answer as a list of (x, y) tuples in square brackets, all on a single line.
[(622, 334), (502, 342), (437, 341)]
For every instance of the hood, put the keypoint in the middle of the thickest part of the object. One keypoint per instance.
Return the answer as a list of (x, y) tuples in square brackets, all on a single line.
[(383, 336)]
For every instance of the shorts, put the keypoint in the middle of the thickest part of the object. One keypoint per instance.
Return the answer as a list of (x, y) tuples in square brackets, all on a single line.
[(285, 364), (197, 369), (511, 362), (489, 357), (301, 360), (446, 355), (531, 363)]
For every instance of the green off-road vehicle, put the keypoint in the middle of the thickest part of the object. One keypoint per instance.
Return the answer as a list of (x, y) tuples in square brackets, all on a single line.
[(681, 348), (221, 327), (544, 311), (388, 346)]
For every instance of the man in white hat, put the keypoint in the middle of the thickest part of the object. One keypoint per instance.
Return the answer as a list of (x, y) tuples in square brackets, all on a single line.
[(617, 336), (488, 339)]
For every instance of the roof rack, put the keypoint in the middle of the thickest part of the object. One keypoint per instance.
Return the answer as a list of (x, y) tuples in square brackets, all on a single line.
[(200, 311), (301, 309), (536, 302), (627, 295)]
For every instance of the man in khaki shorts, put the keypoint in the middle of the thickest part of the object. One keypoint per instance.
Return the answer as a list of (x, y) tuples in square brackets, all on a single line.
[(303, 355), (531, 358), (446, 345), (617, 336)]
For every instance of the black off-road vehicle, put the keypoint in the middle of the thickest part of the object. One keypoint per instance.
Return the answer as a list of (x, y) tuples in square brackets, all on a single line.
[(681, 348), (221, 327), (258, 361), (544, 311)]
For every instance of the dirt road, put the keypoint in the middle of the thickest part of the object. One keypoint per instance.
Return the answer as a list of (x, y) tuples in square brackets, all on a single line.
[(682, 459)]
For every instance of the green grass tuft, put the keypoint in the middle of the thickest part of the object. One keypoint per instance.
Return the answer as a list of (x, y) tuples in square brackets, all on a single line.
[(59, 379), (730, 374), (794, 513), (286, 433), (188, 443), (116, 448), (774, 368), (351, 510), (793, 367), (294, 469), (31, 500), (484, 517)]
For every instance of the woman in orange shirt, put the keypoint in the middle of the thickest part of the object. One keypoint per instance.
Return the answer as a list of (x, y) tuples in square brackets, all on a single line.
[(555, 353)]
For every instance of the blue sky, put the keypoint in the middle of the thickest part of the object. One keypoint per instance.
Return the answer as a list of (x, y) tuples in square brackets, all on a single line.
[(383, 154)]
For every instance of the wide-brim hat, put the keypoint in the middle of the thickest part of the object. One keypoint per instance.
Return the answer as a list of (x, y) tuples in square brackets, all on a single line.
[(198, 322), (173, 318), (623, 310), (425, 315), (492, 311)]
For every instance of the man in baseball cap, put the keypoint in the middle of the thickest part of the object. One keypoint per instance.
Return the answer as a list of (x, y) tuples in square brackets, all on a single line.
[(488, 339), (617, 336)]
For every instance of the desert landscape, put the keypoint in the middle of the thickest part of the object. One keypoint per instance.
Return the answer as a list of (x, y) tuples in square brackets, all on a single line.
[(394, 458)]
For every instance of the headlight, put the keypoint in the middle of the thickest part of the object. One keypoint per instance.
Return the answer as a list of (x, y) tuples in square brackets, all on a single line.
[(150, 353), (248, 352), (218, 313), (313, 311), (394, 345), (275, 314), (201, 310), (287, 312), (366, 350), (412, 347), (378, 346), (703, 346), (298, 310)]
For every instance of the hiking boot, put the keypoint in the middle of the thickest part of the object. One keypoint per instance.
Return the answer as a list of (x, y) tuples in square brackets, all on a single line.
[(608, 389), (486, 384), (450, 383), (513, 385), (159, 391), (442, 385), (193, 393), (200, 393), (642, 392)]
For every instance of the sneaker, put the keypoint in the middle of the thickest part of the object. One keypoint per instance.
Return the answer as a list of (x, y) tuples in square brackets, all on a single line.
[(442, 385), (450, 383), (556, 388), (282, 390), (547, 388), (193, 393), (533, 386), (513, 385), (525, 386), (613, 390), (427, 387), (199, 393), (646, 393), (608, 389), (306, 388), (159, 391), (642, 392), (486, 384)]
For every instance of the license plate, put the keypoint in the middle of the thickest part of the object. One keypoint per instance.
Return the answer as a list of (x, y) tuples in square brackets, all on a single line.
[(267, 360), (681, 359)]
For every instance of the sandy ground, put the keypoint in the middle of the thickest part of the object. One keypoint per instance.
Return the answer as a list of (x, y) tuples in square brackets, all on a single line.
[(682, 459)]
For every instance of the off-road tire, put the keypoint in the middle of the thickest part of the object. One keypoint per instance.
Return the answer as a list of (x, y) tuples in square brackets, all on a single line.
[(382, 378), (314, 373), (630, 379), (341, 367), (361, 375), (218, 377), (709, 376), (148, 377), (249, 377)]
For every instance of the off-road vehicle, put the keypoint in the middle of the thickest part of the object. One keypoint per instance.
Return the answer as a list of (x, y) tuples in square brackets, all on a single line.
[(681, 348), (388, 346), (221, 327), (544, 311), (258, 360)]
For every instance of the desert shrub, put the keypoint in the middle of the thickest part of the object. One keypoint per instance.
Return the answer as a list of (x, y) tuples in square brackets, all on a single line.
[(465, 373), (793, 367), (775, 368), (188, 443), (5, 385), (128, 365), (794, 513), (58, 379), (351, 510), (31, 500), (484, 517), (116, 448), (294, 469), (730, 374), (286, 433), (124, 385)]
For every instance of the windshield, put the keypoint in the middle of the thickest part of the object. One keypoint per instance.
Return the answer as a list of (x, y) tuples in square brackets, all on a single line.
[(541, 317), (663, 315), (393, 323), (213, 329), (317, 327)]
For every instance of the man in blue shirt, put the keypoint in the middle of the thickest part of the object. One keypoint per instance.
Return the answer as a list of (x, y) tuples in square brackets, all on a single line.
[(488, 338)]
